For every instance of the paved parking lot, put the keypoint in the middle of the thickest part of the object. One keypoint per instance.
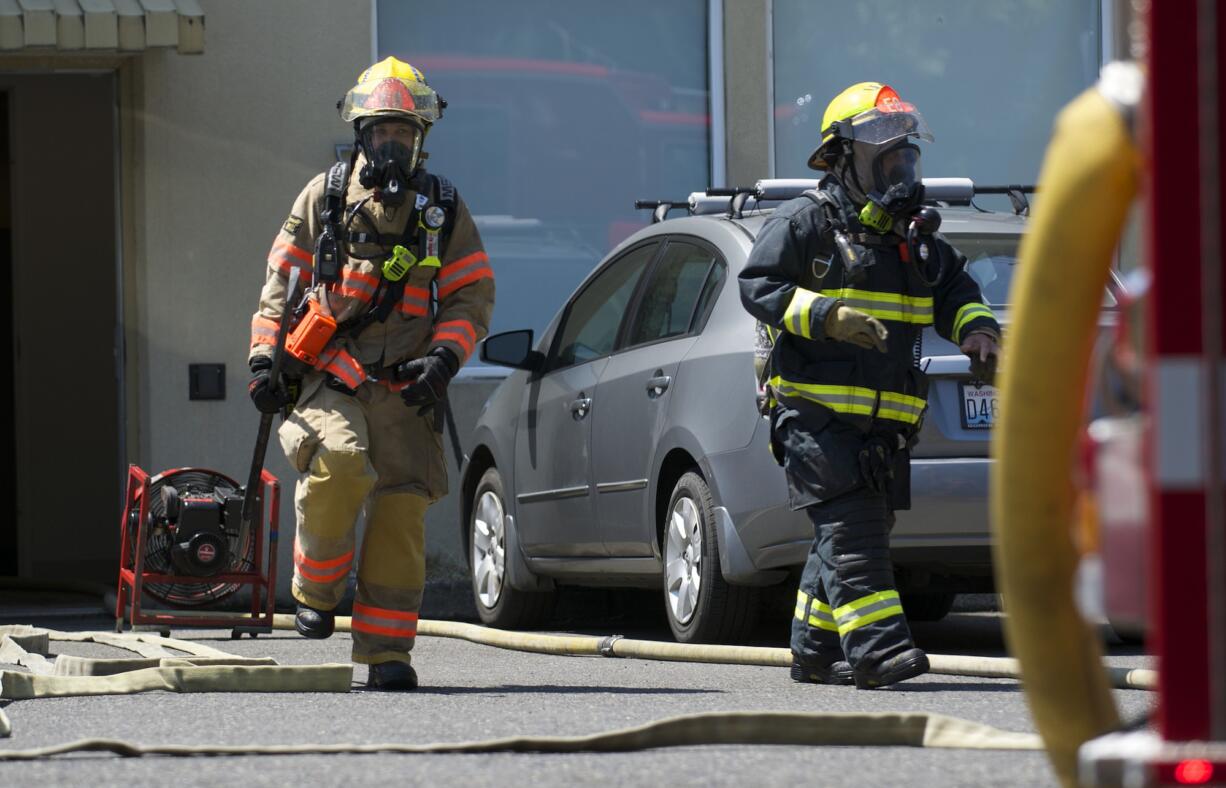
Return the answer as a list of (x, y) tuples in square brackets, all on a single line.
[(476, 692)]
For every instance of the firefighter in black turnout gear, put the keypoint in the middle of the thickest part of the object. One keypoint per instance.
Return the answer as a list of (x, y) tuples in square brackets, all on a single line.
[(844, 279)]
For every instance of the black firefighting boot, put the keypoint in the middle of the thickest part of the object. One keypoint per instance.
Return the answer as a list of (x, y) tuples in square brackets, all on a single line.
[(835, 673), (313, 623), (907, 665), (392, 676)]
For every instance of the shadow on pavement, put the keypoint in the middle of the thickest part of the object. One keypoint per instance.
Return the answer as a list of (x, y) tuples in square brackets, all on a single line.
[(553, 689)]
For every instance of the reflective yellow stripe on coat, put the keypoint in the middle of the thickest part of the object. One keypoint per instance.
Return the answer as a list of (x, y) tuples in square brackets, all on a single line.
[(916, 310), (966, 314), (854, 400), (797, 319)]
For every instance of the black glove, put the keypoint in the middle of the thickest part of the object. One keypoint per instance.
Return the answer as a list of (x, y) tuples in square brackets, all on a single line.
[(267, 397), (877, 463), (428, 377)]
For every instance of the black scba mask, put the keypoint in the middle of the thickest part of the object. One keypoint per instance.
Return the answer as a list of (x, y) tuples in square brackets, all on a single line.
[(388, 167), (898, 188)]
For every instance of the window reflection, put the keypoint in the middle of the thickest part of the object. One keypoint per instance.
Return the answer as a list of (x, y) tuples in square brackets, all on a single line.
[(559, 116)]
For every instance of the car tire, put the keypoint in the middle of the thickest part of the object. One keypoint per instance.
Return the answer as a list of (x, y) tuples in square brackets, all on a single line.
[(927, 606), (700, 605), (498, 603)]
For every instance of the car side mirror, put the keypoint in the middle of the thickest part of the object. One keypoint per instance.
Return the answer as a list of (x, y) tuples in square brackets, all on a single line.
[(512, 349)]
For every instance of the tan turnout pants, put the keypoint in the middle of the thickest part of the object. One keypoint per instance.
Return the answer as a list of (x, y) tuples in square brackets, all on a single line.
[(366, 450)]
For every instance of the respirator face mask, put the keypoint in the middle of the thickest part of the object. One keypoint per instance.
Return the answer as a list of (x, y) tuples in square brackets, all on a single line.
[(392, 149), (894, 181)]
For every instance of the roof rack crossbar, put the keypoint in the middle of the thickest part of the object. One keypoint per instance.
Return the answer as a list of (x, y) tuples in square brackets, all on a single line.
[(732, 201), (659, 208)]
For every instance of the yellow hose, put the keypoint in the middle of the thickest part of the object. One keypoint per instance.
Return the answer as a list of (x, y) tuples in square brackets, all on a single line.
[(616, 646), (1089, 179)]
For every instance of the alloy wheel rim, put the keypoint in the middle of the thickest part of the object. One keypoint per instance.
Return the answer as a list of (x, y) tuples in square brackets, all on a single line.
[(683, 560), (489, 549)]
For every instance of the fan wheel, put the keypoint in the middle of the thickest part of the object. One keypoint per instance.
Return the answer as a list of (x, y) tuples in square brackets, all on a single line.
[(158, 541)]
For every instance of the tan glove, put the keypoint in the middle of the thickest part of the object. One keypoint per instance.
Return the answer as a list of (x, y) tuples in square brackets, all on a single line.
[(845, 324)]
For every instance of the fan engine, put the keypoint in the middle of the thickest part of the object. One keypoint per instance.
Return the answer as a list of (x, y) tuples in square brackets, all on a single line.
[(194, 528), (187, 543)]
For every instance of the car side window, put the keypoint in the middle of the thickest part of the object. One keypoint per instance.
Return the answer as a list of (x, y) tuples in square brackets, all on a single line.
[(676, 285), (593, 318), (706, 302)]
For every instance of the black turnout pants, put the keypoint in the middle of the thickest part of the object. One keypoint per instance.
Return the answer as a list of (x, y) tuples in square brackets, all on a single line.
[(847, 606)]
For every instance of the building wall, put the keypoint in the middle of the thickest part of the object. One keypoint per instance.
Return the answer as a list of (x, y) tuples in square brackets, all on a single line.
[(747, 80), (219, 146), (213, 150)]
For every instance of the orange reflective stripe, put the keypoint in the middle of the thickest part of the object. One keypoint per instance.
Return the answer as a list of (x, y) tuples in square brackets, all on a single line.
[(392, 385), (304, 566), (357, 625), (464, 271), (415, 302), (343, 366), (413, 310), (285, 255), (332, 563), (383, 612), (355, 284), (455, 267), (306, 574), (459, 331), (263, 331), (381, 621)]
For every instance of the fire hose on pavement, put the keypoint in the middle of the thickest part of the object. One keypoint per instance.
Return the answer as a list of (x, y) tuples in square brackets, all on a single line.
[(206, 669)]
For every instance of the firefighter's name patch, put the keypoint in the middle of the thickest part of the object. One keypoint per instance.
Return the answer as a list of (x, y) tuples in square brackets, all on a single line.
[(292, 224)]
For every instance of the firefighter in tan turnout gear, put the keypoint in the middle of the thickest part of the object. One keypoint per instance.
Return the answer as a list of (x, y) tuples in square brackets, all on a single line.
[(397, 292)]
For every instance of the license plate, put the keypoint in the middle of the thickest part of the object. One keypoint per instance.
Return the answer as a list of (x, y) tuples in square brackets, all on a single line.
[(980, 406)]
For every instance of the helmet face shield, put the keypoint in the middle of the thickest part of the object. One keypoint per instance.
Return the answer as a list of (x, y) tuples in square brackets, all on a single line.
[(391, 96), (878, 127)]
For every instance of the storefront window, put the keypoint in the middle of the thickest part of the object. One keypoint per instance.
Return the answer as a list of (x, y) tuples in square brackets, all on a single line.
[(989, 76), (559, 116)]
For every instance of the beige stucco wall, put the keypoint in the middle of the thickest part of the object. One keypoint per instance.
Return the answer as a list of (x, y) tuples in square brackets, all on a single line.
[(220, 145), (217, 148)]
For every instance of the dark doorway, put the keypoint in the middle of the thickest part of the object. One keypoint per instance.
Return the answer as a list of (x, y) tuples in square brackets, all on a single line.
[(8, 487), (65, 390)]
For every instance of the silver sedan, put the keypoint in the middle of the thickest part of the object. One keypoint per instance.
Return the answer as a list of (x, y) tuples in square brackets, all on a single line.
[(626, 449)]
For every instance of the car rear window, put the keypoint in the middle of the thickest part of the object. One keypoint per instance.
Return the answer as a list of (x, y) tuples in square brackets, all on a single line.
[(991, 260)]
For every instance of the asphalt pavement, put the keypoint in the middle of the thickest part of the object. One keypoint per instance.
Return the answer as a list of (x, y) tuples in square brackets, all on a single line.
[(472, 692)]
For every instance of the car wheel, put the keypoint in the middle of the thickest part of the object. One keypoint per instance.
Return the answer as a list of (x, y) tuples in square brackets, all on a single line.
[(927, 606), (701, 606), (498, 603)]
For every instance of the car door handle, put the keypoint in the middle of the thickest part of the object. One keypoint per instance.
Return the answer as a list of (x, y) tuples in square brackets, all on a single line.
[(657, 385), (580, 406)]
